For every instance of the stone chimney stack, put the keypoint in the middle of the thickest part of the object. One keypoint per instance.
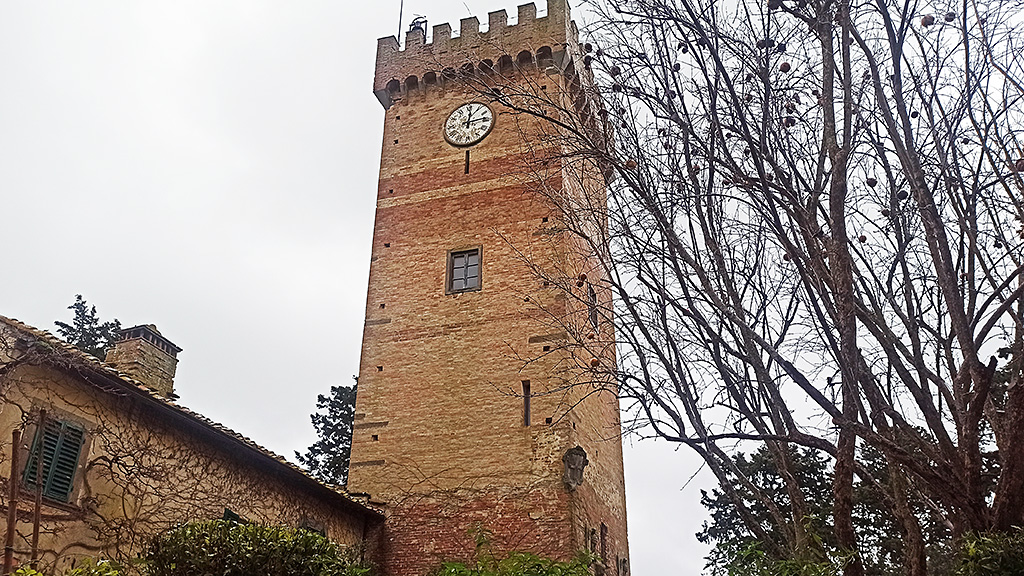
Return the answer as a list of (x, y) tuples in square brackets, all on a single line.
[(144, 354)]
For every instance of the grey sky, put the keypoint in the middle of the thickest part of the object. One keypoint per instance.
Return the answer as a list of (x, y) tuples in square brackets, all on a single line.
[(210, 167)]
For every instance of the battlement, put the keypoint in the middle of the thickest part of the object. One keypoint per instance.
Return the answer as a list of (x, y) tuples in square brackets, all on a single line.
[(540, 41)]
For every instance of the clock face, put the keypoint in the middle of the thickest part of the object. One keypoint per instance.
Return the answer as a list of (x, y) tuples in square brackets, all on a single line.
[(468, 124)]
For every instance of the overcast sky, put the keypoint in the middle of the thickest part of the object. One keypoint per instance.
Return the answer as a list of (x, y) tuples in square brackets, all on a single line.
[(210, 167)]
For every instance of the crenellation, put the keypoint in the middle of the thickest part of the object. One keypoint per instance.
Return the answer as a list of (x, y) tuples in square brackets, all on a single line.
[(469, 27), (553, 31), (497, 20), (528, 12), (442, 34), (386, 47), (415, 38)]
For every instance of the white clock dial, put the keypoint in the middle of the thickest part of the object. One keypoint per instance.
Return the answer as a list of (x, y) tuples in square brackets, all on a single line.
[(468, 124)]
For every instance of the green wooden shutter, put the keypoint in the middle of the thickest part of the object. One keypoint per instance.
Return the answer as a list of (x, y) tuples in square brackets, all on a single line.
[(61, 444)]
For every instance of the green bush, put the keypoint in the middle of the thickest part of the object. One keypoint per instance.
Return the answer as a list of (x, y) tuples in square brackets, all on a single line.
[(515, 563), (519, 564), (223, 548), (96, 568), (814, 560), (88, 568), (992, 554)]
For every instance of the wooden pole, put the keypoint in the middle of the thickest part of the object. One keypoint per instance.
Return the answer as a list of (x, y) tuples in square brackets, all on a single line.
[(12, 504), (37, 512)]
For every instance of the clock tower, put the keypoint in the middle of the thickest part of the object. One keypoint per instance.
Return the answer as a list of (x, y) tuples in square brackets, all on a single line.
[(482, 408)]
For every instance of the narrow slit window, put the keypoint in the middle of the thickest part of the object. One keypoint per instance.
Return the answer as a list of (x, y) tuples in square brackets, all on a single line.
[(467, 162), (526, 402), (464, 270), (604, 544), (592, 308)]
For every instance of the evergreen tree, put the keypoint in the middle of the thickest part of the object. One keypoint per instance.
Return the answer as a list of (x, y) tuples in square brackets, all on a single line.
[(86, 332), (738, 550), (328, 457)]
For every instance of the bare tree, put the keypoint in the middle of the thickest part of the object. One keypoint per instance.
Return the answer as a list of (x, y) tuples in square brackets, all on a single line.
[(813, 238)]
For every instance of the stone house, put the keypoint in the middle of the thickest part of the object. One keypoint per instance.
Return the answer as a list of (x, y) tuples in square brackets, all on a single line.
[(122, 461)]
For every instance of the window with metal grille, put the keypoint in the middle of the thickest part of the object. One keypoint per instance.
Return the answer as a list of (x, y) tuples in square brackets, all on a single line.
[(60, 443), (464, 270)]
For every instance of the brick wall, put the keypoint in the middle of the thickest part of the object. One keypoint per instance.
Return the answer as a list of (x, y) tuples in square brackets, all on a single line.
[(439, 433), (146, 363)]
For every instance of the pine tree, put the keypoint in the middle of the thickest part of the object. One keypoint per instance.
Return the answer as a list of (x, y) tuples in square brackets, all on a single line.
[(327, 459), (86, 332)]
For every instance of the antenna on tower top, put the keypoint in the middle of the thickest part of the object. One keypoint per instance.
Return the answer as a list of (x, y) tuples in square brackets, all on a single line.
[(401, 6)]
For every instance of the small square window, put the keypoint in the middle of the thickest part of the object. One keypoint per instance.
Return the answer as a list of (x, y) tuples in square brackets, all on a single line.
[(463, 270)]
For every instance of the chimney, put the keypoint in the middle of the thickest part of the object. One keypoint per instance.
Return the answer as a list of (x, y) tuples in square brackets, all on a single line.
[(144, 354)]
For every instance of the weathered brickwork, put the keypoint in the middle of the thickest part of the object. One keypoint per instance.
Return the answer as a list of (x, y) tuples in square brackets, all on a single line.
[(151, 361), (439, 434)]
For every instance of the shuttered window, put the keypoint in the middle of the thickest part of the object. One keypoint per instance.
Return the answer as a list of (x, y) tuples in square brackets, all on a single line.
[(61, 444)]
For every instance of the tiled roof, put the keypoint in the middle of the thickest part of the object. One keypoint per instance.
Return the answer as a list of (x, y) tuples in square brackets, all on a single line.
[(81, 360)]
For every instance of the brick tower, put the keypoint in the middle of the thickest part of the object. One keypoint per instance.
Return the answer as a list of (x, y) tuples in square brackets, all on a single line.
[(473, 410)]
